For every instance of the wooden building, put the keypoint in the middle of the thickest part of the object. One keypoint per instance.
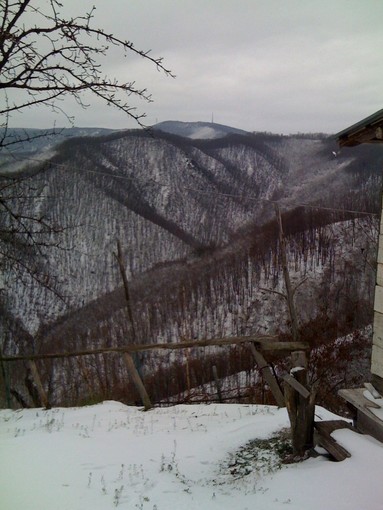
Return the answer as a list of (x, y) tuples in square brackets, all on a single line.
[(368, 410), (370, 130)]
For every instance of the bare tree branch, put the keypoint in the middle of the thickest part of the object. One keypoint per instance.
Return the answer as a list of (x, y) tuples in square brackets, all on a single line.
[(60, 57), (45, 57)]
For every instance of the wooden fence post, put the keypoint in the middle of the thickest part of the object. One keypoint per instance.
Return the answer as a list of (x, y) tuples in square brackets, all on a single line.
[(133, 372), (300, 403), (217, 383), (5, 375), (36, 379)]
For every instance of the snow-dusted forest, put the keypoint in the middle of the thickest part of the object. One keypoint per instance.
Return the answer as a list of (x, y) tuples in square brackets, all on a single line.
[(196, 222)]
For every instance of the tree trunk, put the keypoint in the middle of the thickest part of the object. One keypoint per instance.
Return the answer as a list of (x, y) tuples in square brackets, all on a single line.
[(133, 371)]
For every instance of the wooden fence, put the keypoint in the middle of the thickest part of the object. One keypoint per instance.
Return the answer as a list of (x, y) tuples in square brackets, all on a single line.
[(259, 345)]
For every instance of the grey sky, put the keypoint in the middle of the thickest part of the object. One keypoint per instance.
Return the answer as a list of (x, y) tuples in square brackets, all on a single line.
[(277, 65)]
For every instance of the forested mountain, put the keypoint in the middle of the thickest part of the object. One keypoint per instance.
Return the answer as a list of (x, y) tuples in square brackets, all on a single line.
[(195, 219), (198, 130)]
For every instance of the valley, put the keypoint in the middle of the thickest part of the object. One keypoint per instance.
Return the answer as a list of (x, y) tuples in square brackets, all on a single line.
[(196, 222)]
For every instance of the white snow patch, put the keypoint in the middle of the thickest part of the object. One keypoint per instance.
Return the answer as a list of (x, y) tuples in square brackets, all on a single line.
[(204, 133), (111, 455)]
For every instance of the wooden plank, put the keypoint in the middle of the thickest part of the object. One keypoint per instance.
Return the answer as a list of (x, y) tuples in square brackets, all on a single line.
[(378, 302), (300, 406), (264, 343), (380, 249), (39, 386), (377, 382), (279, 347), (366, 421), (324, 438), (372, 390), (377, 360), (329, 426), (133, 372), (378, 329), (334, 449), (368, 424), (379, 274), (289, 379), (370, 134), (217, 383), (356, 398), (268, 376)]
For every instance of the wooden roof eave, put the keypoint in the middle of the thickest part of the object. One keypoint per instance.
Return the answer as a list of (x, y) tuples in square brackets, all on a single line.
[(368, 130)]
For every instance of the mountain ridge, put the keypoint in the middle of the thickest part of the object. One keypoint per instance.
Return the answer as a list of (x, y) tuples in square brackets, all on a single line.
[(197, 130), (196, 222)]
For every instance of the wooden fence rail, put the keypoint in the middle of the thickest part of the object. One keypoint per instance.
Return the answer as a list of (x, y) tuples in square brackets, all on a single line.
[(263, 343), (257, 343)]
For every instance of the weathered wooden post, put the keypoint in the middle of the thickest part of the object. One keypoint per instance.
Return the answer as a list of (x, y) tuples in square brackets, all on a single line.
[(217, 383), (5, 376), (300, 400), (300, 403), (31, 365), (133, 372)]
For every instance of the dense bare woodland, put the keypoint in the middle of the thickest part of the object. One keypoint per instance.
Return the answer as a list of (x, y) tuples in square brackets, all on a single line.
[(196, 223)]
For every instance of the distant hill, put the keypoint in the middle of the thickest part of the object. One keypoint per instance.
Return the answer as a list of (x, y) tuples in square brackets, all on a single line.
[(195, 218), (27, 144), (198, 130)]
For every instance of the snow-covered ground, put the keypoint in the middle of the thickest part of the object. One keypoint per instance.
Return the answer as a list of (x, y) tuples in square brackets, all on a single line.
[(183, 457)]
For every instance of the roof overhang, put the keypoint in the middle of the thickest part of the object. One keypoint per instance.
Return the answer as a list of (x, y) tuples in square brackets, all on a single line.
[(368, 130)]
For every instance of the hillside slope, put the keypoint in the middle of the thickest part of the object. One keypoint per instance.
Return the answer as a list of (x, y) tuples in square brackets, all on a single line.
[(195, 221)]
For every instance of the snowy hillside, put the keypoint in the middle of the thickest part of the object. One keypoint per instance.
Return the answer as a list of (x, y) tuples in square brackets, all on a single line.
[(22, 146), (197, 130), (166, 200), (196, 222), (186, 457)]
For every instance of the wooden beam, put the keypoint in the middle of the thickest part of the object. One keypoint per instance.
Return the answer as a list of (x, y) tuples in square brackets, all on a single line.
[(217, 384), (377, 382), (372, 390), (268, 376), (289, 379), (300, 403), (324, 438), (357, 399), (39, 386), (265, 343), (366, 421), (133, 372)]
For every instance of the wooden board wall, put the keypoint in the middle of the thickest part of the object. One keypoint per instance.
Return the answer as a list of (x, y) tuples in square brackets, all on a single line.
[(377, 342)]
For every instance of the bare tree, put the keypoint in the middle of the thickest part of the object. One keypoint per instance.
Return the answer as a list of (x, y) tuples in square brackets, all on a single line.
[(45, 57)]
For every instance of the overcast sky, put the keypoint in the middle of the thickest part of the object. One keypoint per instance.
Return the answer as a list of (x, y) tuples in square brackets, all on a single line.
[(284, 66)]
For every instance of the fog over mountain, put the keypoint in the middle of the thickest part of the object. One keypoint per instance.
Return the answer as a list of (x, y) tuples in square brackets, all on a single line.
[(192, 205)]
